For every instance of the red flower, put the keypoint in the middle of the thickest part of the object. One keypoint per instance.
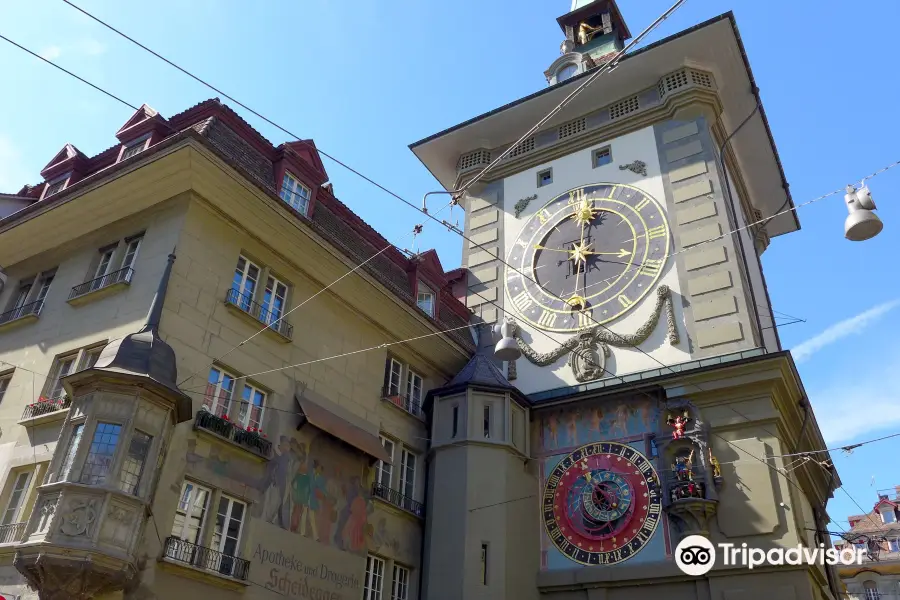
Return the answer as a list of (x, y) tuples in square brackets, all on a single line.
[(225, 417)]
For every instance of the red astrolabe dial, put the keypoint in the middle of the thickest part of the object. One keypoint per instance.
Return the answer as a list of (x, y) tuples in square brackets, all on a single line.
[(602, 503)]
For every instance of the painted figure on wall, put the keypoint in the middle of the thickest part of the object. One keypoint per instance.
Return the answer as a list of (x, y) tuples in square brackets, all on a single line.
[(277, 485), (596, 424), (553, 427), (572, 426), (619, 425), (299, 486), (596, 421)]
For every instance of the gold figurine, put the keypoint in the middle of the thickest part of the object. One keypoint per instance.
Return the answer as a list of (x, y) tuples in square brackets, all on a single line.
[(586, 33), (717, 470)]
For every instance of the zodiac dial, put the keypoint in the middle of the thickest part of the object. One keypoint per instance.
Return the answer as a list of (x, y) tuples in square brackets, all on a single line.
[(602, 503), (587, 257)]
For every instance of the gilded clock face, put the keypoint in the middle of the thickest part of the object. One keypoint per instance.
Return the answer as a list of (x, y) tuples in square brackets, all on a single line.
[(587, 257), (602, 503)]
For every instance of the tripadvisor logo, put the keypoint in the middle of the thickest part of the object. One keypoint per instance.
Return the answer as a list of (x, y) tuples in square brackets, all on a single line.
[(696, 555)]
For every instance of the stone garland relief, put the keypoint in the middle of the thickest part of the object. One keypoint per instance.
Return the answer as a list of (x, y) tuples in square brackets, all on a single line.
[(589, 348), (639, 167), (522, 204)]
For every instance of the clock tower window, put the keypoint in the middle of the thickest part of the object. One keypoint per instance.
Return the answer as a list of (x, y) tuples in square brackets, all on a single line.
[(544, 177)]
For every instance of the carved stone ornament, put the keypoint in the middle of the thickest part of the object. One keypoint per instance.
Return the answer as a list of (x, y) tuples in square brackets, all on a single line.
[(522, 204), (638, 166), (567, 46), (692, 515), (65, 578), (589, 348), (80, 518)]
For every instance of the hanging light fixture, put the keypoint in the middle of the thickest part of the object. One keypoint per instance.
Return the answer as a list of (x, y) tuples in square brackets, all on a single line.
[(507, 349), (862, 224)]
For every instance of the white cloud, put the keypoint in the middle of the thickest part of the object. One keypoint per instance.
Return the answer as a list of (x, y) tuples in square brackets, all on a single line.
[(90, 47), (840, 330), (51, 52), (865, 404), (13, 174)]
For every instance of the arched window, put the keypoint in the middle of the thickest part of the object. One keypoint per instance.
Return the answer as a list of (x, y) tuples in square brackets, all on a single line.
[(566, 72), (871, 590)]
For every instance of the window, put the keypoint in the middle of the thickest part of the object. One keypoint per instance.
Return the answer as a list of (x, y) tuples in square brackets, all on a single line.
[(90, 356), (44, 282), (190, 515), (246, 274), (64, 366), (425, 300), (400, 586), (487, 421), (395, 370), (294, 193), (273, 301), (252, 406), (135, 460), (71, 449), (894, 545), (56, 186), (455, 420), (871, 590), (134, 148), (131, 249), (484, 565), (227, 533), (374, 578), (101, 453), (888, 516), (544, 177), (601, 156), (4, 385), (219, 390), (106, 255), (16, 498), (414, 390), (566, 72), (384, 471), (407, 473), (22, 296)]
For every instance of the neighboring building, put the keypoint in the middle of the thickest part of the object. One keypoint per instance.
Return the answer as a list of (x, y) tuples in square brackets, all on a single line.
[(145, 448), (878, 532), (619, 212)]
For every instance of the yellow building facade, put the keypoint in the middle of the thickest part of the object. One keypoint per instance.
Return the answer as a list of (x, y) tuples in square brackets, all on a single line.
[(154, 442)]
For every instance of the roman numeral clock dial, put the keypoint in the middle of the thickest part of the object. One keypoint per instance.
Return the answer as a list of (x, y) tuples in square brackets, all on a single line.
[(587, 256)]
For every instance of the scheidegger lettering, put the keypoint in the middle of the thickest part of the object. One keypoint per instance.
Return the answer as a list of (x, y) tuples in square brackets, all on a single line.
[(306, 586)]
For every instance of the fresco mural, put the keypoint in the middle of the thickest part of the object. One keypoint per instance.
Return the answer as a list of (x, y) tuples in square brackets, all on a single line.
[(633, 422), (565, 429), (312, 487)]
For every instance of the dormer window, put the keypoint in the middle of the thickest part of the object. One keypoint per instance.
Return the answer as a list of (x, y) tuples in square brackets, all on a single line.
[(57, 185), (294, 193), (888, 516), (135, 147), (425, 300), (566, 72)]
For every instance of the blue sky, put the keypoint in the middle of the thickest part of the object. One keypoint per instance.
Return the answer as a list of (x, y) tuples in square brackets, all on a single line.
[(366, 78)]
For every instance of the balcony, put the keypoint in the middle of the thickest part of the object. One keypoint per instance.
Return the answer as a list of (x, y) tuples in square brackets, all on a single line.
[(403, 401), (101, 286), (12, 533), (22, 315), (233, 433), (245, 305), (45, 410), (207, 559), (394, 497)]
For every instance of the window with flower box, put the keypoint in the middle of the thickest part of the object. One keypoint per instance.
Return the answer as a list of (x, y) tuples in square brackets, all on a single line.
[(234, 409), (53, 397), (403, 386)]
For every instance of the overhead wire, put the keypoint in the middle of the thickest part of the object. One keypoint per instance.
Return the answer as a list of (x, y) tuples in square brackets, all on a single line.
[(388, 191)]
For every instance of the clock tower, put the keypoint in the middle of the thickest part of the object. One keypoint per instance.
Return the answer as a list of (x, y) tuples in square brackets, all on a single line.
[(617, 252)]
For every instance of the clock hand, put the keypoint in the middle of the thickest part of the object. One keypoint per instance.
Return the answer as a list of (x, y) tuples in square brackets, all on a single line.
[(539, 247), (620, 254)]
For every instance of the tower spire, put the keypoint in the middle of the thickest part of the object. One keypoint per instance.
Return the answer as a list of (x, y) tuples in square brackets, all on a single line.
[(154, 315)]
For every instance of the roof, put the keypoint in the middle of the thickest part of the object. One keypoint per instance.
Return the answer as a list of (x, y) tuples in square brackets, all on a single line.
[(704, 44)]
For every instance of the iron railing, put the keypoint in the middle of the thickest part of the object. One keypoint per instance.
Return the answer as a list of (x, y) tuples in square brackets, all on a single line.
[(206, 558), (259, 312), (12, 533), (397, 499), (408, 404), (233, 432), (45, 406), (32, 308), (120, 276)]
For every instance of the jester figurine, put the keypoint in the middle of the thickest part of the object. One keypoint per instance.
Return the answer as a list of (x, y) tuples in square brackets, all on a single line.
[(679, 423), (682, 468)]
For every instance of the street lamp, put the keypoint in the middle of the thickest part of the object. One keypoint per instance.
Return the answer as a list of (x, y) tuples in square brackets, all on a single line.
[(861, 224)]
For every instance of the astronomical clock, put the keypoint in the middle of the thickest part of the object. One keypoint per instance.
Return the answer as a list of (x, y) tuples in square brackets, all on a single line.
[(602, 503), (584, 260)]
